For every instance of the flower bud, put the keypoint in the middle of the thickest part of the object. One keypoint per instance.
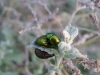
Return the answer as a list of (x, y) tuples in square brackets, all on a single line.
[(64, 46), (73, 31), (66, 35)]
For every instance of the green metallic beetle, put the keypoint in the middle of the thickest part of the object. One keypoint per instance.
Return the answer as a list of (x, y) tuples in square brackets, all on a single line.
[(49, 40), (53, 39)]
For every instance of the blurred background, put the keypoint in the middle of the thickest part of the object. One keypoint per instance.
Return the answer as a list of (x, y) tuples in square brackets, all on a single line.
[(22, 21)]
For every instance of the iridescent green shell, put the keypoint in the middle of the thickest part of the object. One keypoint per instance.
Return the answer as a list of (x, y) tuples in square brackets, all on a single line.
[(49, 35), (53, 39), (42, 41)]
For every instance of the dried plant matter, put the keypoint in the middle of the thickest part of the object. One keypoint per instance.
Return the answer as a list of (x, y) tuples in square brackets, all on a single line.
[(95, 20), (89, 64), (96, 3), (91, 5), (39, 22), (68, 65)]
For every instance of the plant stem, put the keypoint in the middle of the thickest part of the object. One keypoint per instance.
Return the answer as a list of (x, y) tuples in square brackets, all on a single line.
[(91, 41)]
